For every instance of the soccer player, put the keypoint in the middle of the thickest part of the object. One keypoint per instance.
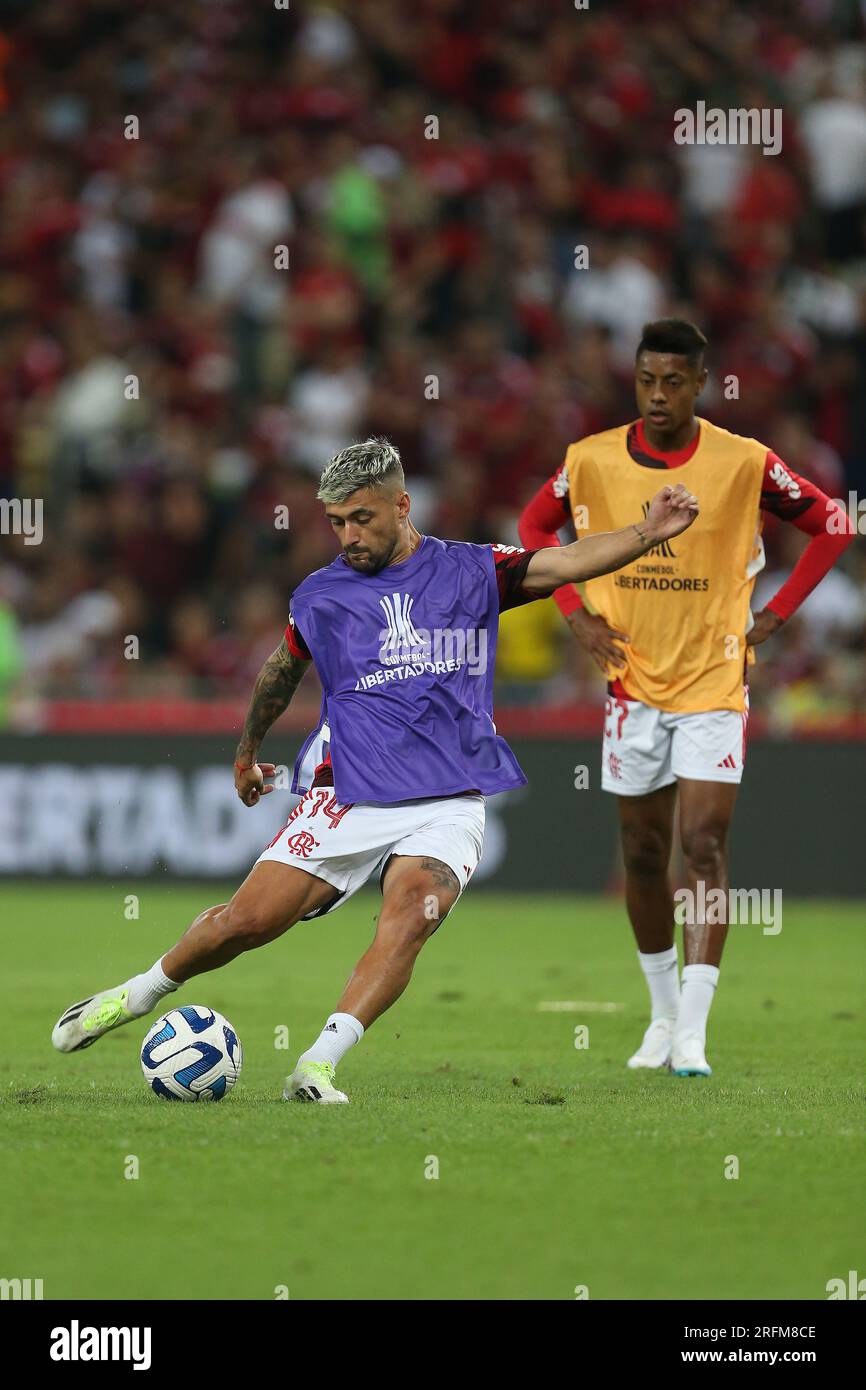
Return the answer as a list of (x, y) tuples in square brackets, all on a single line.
[(402, 631), (674, 634)]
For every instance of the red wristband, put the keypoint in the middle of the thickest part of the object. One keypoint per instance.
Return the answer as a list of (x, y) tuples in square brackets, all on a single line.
[(245, 767)]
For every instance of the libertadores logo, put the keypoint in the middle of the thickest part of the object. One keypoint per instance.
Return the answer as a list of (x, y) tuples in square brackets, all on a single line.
[(400, 639), (406, 650)]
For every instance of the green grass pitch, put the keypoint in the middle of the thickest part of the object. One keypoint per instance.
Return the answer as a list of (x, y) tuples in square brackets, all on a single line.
[(557, 1168)]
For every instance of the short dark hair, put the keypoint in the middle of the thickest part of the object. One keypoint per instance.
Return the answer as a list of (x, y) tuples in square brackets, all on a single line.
[(673, 335)]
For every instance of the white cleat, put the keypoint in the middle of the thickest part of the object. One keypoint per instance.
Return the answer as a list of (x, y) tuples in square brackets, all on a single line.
[(84, 1022), (314, 1081), (687, 1056), (655, 1050)]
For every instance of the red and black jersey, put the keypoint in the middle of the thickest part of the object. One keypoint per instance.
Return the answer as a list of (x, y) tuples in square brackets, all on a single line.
[(511, 564)]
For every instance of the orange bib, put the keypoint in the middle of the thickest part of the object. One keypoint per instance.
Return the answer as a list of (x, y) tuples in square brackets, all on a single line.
[(685, 605)]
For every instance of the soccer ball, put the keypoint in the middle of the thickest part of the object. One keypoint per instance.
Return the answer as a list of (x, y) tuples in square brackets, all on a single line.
[(191, 1053)]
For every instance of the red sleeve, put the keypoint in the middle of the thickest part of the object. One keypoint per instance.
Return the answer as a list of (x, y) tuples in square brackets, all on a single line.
[(295, 642), (511, 563), (541, 518), (785, 494)]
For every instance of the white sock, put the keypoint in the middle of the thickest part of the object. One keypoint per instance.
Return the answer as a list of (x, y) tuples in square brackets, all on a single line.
[(145, 991), (340, 1033), (660, 973), (699, 986)]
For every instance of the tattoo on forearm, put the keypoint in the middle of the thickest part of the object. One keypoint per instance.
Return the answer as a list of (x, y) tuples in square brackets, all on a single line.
[(276, 684)]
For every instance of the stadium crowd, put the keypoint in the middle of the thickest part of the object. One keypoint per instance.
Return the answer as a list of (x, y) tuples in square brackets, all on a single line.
[(236, 237)]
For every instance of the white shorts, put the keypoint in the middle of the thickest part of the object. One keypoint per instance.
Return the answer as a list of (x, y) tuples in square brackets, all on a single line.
[(346, 845), (645, 748)]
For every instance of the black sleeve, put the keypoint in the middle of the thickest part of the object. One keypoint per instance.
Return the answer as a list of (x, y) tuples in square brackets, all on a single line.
[(511, 565), (295, 642)]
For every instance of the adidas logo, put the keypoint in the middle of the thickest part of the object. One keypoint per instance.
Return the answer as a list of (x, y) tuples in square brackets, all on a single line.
[(729, 761), (331, 1028)]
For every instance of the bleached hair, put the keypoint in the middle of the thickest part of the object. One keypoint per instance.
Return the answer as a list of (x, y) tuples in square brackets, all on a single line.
[(373, 463)]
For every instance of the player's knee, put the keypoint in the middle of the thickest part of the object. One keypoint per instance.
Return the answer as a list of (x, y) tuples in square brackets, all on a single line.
[(245, 926), (417, 906), (704, 849), (645, 853)]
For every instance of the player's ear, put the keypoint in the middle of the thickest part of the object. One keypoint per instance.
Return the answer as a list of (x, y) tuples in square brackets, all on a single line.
[(403, 505)]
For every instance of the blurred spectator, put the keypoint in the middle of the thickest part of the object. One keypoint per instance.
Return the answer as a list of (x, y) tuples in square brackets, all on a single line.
[(358, 219), (620, 291), (833, 130), (328, 401)]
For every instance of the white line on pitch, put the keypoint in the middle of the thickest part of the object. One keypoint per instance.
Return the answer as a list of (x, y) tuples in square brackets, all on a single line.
[(577, 1006)]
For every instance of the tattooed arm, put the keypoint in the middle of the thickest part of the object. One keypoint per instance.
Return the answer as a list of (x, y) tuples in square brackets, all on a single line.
[(276, 684)]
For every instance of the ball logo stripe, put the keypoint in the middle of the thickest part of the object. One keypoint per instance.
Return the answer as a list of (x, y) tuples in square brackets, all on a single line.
[(191, 1053)]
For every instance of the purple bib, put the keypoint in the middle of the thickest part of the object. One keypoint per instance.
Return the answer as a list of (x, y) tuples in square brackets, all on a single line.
[(406, 660)]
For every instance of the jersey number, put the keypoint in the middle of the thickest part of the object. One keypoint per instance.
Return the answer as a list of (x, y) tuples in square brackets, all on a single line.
[(609, 707)]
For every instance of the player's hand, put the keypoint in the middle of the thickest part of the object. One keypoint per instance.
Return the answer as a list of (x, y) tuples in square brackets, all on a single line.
[(670, 512), (250, 781), (598, 638), (766, 623)]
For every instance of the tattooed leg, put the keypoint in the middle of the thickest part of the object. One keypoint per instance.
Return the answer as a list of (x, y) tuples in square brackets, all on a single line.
[(417, 893)]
